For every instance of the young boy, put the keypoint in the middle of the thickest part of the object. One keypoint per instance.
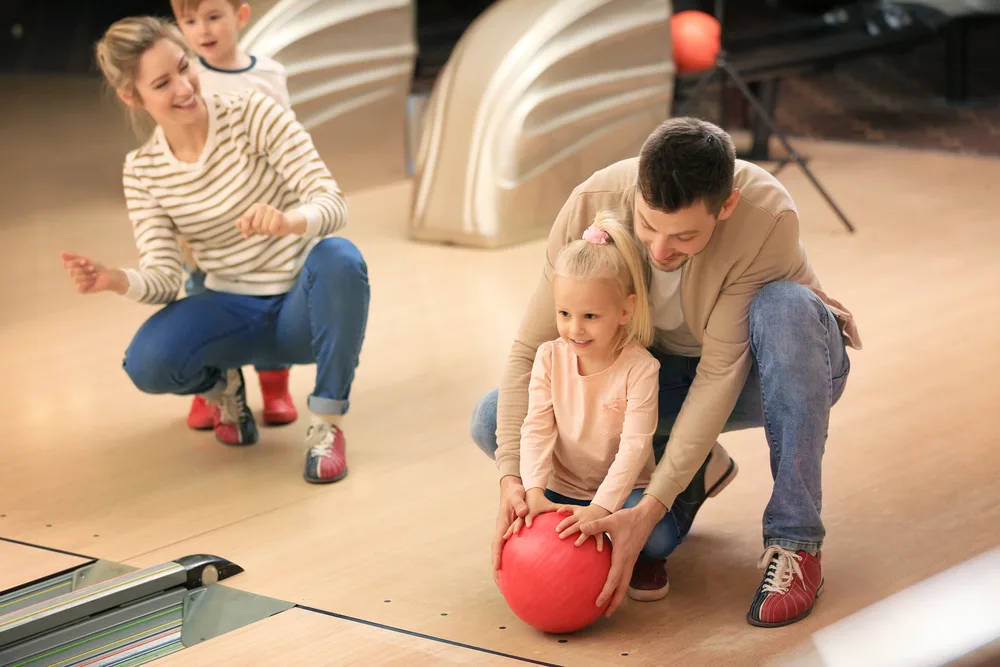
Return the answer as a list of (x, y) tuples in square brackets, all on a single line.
[(212, 29)]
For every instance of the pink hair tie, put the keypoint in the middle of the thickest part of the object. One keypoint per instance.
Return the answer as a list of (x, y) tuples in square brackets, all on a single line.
[(595, 235)]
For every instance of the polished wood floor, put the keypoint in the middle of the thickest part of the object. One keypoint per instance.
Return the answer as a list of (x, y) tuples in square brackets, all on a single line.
[(20, 563), (92, 466)]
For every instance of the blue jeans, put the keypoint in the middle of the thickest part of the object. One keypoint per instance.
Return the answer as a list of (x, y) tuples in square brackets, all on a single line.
[(662, 541), (800, 368), (186, 346), (195, 284)]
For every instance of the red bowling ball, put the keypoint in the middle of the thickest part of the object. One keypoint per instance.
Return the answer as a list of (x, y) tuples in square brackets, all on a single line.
[(552, 584), (697, 40)]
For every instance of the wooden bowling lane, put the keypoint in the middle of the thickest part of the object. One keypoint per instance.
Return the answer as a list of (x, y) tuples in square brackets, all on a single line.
[(300, 637), (21, 563)]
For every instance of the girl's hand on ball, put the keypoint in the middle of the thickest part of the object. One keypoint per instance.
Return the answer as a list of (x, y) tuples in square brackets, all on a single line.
[(537, 504), (582, 515)]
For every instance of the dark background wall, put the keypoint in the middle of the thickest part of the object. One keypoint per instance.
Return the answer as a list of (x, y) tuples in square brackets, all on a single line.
[(892, 98), (56, 36)]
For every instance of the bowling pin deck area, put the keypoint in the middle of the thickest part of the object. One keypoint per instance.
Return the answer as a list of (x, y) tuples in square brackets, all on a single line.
[(391, 566)]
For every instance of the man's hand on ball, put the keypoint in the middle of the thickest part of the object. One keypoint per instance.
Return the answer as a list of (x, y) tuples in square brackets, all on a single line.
[(628, 529), (263, 220)]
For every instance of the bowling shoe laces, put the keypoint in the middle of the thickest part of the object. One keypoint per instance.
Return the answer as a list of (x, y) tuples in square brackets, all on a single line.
[(326, 460), (234, 422), (792, 582), (649, 580)]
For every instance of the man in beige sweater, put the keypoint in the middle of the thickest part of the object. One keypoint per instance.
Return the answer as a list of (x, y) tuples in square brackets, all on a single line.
[(745, 337)]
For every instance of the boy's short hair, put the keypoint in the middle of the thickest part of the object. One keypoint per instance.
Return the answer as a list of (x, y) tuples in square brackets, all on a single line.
[(181, 7), (684, 161)]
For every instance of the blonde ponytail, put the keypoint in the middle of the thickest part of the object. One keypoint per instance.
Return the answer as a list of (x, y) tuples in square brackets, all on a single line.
[(619, 260), (118, 53)]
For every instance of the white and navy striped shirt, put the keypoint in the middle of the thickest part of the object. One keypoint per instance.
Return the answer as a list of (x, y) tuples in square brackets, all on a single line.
[(255, 152)]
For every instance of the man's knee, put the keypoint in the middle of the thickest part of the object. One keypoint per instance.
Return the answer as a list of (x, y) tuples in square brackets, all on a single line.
[(484, 424), (786, 314), (782, 301), (664, 538), (662, 542)]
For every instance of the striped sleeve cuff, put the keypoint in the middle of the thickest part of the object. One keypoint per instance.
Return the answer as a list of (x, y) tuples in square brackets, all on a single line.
[(135, 285), (314, 219)]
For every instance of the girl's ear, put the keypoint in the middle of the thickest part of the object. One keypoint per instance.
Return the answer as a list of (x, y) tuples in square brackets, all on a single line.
[(629, 308)]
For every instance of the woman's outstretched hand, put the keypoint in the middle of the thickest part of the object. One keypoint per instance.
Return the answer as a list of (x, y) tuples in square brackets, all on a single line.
[(89, 277)]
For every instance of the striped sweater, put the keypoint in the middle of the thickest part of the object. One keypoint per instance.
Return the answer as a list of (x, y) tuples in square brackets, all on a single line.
[(255, 152)]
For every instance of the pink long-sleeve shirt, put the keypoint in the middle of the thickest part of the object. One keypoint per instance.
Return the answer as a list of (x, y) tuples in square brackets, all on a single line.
[(590, 436)]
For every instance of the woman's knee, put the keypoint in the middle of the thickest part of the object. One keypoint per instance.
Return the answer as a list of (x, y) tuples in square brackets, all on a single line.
[(484, 424), (338, 260), (160, 350), (149, 363)]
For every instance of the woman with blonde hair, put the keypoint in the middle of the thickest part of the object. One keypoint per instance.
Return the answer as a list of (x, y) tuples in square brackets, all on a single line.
[(238, 179)]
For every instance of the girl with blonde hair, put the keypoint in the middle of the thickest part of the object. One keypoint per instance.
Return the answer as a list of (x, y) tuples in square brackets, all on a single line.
[(587, 440)]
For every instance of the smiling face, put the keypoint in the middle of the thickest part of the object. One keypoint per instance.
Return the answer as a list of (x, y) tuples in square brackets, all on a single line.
[(212, 28), (590, 315), (166, 85), (685, 185), (671, 239)]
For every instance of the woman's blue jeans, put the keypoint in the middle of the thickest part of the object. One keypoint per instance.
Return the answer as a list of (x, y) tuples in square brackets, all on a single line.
[(186, 347)]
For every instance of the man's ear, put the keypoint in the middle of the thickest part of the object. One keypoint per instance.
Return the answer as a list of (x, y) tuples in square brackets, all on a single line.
[(730, 204)]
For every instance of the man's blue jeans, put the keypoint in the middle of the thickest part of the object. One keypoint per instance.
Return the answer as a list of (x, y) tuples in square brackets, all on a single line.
[(185, 347), (800, 369)]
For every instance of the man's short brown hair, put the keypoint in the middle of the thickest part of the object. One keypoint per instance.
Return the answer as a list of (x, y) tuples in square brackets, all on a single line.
[(684, 161)]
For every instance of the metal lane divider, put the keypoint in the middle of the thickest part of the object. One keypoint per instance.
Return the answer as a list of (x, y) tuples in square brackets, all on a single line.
[(103, 615)]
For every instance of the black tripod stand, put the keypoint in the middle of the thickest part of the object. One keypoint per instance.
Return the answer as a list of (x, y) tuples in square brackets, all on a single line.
[(723, 67)]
